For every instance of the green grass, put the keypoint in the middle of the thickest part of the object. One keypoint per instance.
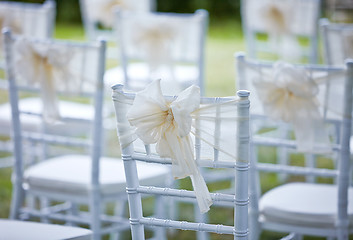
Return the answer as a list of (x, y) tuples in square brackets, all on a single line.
[(224, 39)]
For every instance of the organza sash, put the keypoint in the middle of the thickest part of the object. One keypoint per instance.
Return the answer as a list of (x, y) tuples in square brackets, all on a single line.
[(174, 125), (290, 95), (47, 66), (155, 40)]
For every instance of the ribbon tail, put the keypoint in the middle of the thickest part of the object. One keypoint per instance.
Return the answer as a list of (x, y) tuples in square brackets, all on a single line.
[(311, 135), (203, 196), (50, 102), (185, 165)]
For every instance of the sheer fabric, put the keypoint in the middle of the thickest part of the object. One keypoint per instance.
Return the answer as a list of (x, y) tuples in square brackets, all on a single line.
[(102, 11), (28, 19), (278, 25), (169, 30), (338, 40), (294, 95), (281, 16), (175, 125), (55, 68)]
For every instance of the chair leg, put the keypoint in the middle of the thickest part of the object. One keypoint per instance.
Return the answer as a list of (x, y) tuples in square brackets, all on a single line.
[(44, 204), (204, 219), (119, 210), (95, 213), (73, 210), (160, 232), (17, 201)]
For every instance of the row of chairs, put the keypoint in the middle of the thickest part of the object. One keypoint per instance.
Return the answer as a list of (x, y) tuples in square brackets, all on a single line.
[(84, 86), (77, 178)]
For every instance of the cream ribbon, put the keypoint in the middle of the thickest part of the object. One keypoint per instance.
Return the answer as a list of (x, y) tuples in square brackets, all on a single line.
[(47, 66), (7, 20), (289, 94), (169, 125), (155, 42), (275, 19)]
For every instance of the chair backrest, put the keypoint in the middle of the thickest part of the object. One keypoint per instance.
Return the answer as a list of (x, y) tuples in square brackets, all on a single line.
[(29, 19), (163, 41), (315, 102), (98, 15), (338, 41), (281, 29), (51, 69), (217, 126)]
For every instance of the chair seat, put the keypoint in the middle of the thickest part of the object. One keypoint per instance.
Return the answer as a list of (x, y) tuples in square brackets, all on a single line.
[(303, 204), (16, 230), (33, 123), (186, 75), (71, 174)]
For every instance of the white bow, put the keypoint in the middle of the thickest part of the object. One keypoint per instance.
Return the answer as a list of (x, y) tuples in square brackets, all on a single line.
[(155, 42), (47, 66), (290, 95), (169, 125)]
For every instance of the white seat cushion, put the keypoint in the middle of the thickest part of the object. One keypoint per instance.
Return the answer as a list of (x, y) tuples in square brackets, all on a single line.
[(33, 123), (303, 204), (71, 174), (16, 230), (186, 75)]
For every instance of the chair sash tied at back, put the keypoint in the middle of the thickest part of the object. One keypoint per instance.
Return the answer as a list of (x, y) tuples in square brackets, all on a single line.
[(169, 125), (290, 95), (46, 66)]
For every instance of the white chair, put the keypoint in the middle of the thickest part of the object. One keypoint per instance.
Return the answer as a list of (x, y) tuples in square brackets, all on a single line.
[(29, 19), (170, 126), (281, 29), (337, 42), (16, 230), (315, 103), (55, 164), (170, 46)]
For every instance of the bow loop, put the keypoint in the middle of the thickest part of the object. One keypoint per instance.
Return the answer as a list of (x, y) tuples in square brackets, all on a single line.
[(169, 125), (289, 94)]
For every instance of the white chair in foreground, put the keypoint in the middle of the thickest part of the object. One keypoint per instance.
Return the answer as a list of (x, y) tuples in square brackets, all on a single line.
[(168, 46), (315, 103), (29, 19), (54, 164), (169, 126), (337, 42), (16, 230), (281, 29)]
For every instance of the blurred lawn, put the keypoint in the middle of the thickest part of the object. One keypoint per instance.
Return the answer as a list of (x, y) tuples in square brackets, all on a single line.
[(224, 39)]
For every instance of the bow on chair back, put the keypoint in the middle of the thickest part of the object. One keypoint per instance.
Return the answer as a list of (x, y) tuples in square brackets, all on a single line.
[(187, 132)]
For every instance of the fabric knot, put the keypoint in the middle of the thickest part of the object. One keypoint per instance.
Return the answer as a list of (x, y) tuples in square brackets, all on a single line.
[(47, 66), (170, 116), (169, 125)]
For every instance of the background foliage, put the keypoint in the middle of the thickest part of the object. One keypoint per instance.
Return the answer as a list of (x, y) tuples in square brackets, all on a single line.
[(69, 10)]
